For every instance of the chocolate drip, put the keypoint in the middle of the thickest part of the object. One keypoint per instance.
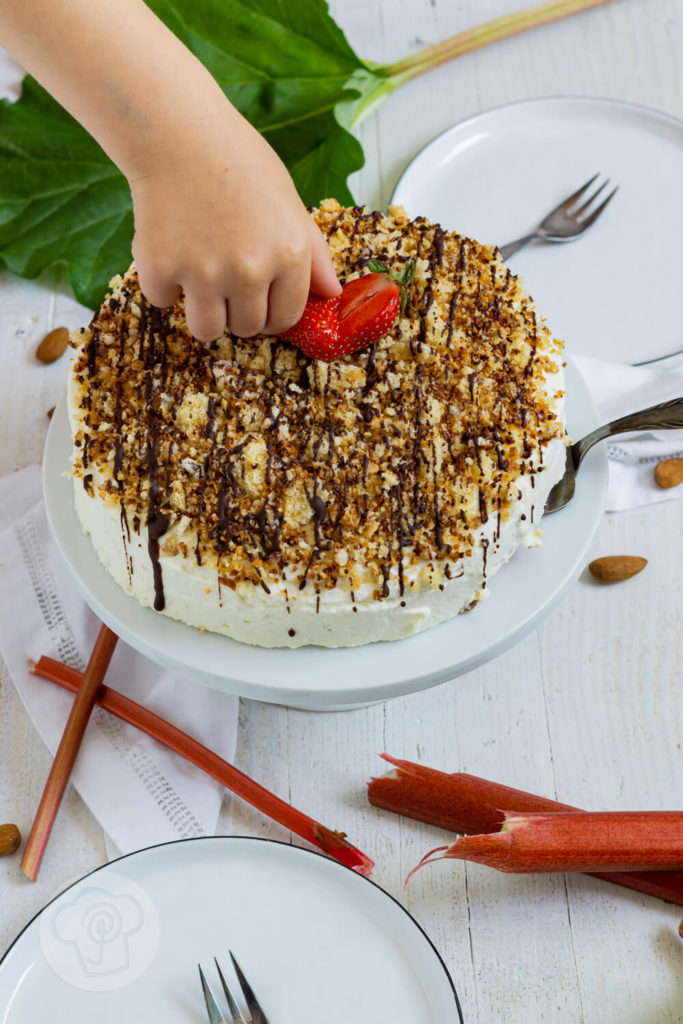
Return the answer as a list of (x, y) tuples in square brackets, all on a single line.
[(370, 368), (92, 351), (206, 469), (269, 457), (485, 548), (453, 305), (435, 260), (157, 521), (533, 341), (483, 513), (399, 534), (118, 441), (329, 421), (438, 528), (119, 449), (319, 509), (304, 578), (157, 525), (417, 444), (211, 416), (125, 537)]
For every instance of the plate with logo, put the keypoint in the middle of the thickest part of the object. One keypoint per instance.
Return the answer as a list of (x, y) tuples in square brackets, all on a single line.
[(316, 940)]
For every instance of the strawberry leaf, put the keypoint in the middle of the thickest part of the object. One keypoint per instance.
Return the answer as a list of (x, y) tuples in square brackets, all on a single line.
[(408, 273), (284, 66)]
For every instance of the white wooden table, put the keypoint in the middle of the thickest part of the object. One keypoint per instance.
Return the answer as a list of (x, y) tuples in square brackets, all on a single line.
[(587, 709)]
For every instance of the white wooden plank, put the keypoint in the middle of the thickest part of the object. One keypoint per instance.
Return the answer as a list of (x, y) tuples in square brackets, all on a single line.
[(588, 708)]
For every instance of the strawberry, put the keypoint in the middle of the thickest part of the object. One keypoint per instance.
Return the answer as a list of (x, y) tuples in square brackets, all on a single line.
[(365, 311), (317, 331)]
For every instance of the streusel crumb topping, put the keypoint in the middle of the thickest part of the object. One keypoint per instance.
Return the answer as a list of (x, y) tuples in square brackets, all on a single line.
[(380, 467)]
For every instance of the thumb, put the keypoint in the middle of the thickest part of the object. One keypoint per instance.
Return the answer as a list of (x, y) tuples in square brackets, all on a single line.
[(323, 277)]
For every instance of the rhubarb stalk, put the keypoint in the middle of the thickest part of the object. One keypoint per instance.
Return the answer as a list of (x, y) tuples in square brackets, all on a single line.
[(67, 752), (377, 81), (575, 841), (469, 805), (330, 842)]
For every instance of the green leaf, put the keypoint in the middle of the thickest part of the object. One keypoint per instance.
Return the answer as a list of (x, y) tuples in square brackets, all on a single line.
[(288, 69), (284, 64)]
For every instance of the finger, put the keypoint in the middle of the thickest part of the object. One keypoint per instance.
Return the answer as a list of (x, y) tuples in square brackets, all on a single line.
[(206, 315), (158, 291), (248, 311), (287, 298), (156, 284), (323, 277)]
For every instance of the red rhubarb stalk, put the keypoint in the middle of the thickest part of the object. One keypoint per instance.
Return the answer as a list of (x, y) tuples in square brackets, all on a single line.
[(576, 841), (470, 805), (330, 842), (67, 751)]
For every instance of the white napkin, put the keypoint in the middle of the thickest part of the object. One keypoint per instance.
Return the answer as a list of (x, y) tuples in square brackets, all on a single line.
[(139, 791), (617, 390)]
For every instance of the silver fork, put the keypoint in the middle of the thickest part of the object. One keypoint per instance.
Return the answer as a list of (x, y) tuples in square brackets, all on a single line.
[(566, 221), (257, 1016), (665, 416)]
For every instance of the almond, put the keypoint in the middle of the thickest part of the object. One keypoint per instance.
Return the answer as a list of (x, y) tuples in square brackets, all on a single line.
[(53, 345), (50, 412), (669, 472), (615, 568), (10, 839)]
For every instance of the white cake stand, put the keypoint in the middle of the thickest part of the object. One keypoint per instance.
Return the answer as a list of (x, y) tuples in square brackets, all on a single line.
[(522, 594)]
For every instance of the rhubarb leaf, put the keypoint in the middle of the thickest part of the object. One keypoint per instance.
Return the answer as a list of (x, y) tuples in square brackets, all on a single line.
[(284, 64)]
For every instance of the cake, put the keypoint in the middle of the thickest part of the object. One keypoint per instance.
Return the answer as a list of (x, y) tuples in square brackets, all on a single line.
[(245, 489)]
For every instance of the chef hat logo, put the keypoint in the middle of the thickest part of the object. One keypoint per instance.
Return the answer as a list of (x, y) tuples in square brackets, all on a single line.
[(99, 925), (101, 934)]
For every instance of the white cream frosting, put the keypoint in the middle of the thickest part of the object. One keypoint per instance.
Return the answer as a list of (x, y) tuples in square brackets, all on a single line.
[(299, 502), (249, 614)]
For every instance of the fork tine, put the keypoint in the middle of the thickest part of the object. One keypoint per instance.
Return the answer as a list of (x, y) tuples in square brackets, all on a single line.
[(591, 199), (586, 223), (234, 1008), (215, 1015), (257, 1014), (570, 200)]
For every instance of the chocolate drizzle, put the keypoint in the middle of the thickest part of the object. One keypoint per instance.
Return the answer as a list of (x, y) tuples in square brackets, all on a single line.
[(157, 521), (485, 550), (157, 525), (284, 462)]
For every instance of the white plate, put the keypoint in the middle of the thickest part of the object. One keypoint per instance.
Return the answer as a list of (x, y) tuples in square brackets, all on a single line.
[(316, 940), (521, 594), (614, 292)]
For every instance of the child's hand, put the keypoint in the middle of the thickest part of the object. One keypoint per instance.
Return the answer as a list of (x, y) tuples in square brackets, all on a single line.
[(221, 219), (216, 212)]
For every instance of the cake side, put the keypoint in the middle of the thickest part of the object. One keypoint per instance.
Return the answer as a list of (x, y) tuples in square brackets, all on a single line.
[(250, 491)]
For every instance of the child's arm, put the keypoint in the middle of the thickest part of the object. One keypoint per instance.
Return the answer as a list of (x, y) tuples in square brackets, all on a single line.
[(216, 211)]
